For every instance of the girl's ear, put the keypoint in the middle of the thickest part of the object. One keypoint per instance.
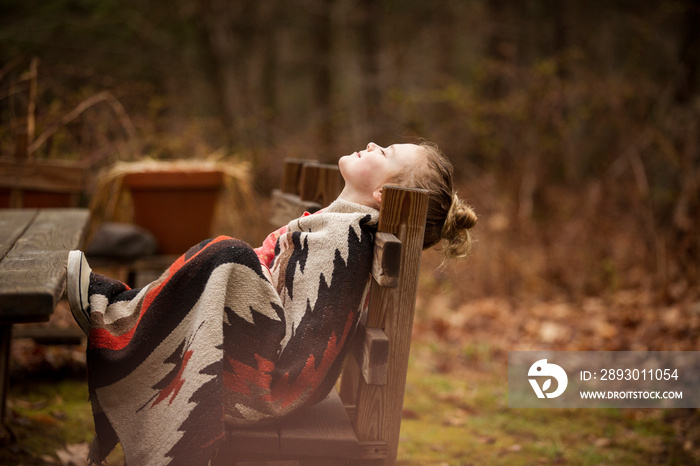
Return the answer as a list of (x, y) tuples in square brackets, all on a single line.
[(377, 195)]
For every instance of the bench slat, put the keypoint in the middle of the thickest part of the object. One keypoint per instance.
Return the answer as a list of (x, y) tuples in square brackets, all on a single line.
[(291, 174), (323, 429), (250, 441), (286, 207), (54, 175), (320, 183), (49, 335), (12, 225)]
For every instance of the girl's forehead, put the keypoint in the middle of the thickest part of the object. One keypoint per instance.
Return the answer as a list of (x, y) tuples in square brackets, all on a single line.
[(406, 148), (408, 155)]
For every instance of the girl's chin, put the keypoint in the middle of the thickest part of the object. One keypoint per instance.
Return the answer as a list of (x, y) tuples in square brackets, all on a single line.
[(344, 159)]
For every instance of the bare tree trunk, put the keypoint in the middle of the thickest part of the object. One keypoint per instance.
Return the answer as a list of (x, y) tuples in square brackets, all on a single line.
[(215, 84), (573, 170), (230, 42), (689, 52), (561, 37), (686, 242), (496, 45), (369, 44), (322, 76), (269, 70), (446, 22)]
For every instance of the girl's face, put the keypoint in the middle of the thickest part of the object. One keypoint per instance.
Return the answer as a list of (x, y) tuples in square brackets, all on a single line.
[(365, 172)]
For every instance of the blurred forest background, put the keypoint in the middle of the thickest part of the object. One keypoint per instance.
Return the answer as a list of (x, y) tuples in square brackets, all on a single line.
[(574, 128)]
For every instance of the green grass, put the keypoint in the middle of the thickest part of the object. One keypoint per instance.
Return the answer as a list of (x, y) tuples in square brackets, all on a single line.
[(46, 416), (462, 417)]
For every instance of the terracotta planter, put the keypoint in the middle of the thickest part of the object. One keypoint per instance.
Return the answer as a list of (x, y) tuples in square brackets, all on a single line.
[(176, 206)]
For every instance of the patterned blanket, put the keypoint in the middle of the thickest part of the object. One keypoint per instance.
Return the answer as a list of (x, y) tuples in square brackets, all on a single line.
[(219, 340)]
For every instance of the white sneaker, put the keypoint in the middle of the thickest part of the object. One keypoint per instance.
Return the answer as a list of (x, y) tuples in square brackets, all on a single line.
[(77, 284)]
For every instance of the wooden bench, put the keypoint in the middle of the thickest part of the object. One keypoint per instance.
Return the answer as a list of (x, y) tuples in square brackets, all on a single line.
[(29, 183), (360, 422), (34, 245)]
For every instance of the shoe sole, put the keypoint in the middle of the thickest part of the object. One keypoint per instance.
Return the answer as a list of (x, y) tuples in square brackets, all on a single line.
[(78, 280)]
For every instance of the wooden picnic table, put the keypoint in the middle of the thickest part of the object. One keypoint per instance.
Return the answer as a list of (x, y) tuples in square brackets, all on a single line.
[(34, 246)]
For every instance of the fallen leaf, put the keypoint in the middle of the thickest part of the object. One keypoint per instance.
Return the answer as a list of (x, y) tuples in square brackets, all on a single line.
[(551, 332), (31, 405), (409, 414), (604, 329), (47, 459), (486, 440), (454, 422), (74, 455), (602, 442)]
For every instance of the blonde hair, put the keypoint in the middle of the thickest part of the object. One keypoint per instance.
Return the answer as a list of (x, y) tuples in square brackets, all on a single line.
[(449, 218)]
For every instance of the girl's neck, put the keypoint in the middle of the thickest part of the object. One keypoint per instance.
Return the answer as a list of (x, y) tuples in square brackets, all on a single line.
[(364, 199)]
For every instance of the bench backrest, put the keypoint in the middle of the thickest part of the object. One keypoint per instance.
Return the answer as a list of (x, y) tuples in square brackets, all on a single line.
[(374, 378), (29, 183)]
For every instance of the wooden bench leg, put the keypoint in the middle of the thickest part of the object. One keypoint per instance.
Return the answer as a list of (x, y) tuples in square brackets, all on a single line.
[(6, 434)]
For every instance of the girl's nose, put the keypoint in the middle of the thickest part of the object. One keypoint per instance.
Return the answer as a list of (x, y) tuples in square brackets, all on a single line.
[(370, 145)]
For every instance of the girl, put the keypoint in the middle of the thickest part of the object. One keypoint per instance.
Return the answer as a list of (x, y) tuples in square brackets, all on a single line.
[(237, 336)]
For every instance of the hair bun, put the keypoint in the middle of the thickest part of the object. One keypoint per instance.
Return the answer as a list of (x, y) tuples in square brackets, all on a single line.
[(460, 214), (460, 219)]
